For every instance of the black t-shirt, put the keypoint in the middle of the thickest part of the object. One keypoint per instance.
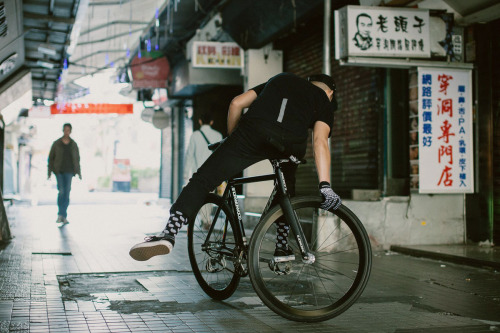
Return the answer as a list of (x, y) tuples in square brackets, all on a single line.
[(292, 103), (67, 162)]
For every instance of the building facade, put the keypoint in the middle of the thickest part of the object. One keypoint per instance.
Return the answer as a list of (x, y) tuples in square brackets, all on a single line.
[(375, 141)]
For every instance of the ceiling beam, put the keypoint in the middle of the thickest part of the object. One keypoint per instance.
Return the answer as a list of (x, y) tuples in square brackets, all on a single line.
[(95, 53), (49, 18), (110, 37), (109, 3), (106, 25)]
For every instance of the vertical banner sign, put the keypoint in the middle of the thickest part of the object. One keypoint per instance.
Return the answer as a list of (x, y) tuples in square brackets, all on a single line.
[(445, 131)]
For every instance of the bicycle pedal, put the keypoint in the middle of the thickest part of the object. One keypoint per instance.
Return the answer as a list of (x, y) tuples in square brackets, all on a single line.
[(275, 267)]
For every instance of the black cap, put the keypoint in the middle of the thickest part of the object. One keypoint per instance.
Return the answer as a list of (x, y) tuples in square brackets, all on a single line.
[(326, 79)]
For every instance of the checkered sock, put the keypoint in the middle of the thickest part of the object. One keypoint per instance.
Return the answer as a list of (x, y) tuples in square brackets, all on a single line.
[(174, 224), (282, 235)]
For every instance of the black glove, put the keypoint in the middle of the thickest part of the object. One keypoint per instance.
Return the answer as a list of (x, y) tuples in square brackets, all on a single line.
[(331, 199)]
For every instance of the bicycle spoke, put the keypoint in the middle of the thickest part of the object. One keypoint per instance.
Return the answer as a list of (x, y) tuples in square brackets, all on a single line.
[(331, 253), (211, 252), (295, 285), (324, 288), (313, 245)]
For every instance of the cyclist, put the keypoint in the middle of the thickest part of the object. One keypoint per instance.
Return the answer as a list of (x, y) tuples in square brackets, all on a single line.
[(280, 112)]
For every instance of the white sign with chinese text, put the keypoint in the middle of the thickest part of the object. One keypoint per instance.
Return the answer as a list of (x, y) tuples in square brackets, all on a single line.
[(216, 55), (383, 32), (446, 162)]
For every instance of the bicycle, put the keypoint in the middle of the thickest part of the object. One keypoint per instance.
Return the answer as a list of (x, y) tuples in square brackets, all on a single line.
[(325, 275)]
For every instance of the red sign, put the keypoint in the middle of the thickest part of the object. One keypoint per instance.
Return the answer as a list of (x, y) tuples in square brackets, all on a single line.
[(121, 170), (75, 108), (148, 72)]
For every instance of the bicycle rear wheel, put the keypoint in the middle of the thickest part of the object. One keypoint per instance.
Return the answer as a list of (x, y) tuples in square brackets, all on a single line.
[(213, 246), (318, 291)]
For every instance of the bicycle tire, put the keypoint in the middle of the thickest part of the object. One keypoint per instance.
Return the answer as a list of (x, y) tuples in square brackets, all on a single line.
[(214, 267), (322, 290)]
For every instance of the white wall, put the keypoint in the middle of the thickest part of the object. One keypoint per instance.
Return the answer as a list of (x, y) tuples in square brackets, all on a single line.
[(421, 219)]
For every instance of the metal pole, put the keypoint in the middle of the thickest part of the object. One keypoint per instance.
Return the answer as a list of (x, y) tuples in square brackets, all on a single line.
[(326, 37)]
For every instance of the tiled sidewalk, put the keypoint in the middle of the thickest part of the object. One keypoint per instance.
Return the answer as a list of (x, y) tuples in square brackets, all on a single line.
[(79, 278)]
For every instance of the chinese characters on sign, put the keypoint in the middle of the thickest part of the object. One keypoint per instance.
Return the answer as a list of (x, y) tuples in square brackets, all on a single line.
[(216, 55), (385, 32), (445, 131)]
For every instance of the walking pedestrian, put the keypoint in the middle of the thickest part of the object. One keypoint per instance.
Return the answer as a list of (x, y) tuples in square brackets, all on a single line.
[(197, 151), (64, 162)]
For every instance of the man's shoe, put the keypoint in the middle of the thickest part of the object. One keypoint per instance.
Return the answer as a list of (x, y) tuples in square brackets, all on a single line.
[(59, 219), (152, 246), (65, 220)]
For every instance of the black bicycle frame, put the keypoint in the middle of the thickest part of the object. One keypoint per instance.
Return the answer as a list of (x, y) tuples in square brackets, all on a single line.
[(280, 189)]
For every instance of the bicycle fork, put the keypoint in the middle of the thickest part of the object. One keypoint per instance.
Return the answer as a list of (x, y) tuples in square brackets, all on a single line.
[(293, 220)]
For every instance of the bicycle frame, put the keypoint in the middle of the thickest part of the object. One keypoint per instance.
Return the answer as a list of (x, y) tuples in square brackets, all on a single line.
[(280, 189)]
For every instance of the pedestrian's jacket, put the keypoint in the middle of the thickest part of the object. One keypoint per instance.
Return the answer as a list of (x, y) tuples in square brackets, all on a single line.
[(197, 151), (56, 157)]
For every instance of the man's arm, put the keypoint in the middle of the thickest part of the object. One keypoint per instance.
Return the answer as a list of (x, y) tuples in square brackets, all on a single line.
[(236, 107), (78, 167), (322, 158), (321, 150), (50, 166)]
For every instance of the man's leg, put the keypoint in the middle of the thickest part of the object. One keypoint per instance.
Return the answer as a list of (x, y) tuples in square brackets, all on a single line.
[(60, 197), (239, 151), (282, 227), (67, 178)]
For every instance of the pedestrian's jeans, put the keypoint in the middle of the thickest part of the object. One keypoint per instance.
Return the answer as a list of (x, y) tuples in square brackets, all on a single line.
[(244, 147), (64, 187)]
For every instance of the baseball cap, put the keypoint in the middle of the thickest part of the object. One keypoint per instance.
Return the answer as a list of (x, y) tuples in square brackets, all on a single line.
[(326, 79)]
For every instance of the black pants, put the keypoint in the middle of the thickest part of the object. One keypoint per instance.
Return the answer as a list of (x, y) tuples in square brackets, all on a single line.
[(247, 145)]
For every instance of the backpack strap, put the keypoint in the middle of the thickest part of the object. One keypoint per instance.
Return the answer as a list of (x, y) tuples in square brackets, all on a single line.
[(205, 137)]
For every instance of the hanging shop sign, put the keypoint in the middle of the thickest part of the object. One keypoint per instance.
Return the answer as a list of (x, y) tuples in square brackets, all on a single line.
[(77, 108), (150, 71), (216, 55), (445, 131), (382, 32)]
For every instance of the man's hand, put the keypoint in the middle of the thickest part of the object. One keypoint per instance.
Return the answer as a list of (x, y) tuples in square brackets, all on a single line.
[(331, 200)]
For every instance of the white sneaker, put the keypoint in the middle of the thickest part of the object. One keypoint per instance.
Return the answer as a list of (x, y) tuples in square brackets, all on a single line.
[(152, 246)]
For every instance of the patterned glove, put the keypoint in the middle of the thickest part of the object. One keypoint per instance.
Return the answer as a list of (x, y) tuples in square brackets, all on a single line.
[(331, 199)]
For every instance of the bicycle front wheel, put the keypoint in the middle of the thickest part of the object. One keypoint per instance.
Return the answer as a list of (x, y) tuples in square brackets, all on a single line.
[(213, 246), (324, 289)]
